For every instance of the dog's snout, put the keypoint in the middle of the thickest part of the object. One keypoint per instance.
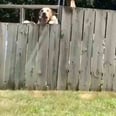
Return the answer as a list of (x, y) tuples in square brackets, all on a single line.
[(44, 14)]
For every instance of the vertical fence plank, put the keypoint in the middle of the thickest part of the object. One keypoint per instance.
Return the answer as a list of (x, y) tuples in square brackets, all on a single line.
[(30, 41), (10, 55), (75, 49), (97, 52), (85, 79), (114, 47), (31, 56), (3, 37), (64, 48), (109, 61), (21, 56), (53, 56), (114, 79), (22, 15), (41, 68)]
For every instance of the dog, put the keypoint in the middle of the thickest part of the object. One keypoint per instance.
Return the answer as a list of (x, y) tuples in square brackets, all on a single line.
[(47, 16)]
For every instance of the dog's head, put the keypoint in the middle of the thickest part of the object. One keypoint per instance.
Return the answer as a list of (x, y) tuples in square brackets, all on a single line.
[(45, 15)]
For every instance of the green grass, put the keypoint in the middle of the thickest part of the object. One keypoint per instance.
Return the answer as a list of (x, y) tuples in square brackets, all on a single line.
[(57, 103)]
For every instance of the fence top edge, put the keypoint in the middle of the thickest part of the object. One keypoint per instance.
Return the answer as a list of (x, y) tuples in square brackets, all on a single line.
[(8, 6), (33, 6), (26, 24)]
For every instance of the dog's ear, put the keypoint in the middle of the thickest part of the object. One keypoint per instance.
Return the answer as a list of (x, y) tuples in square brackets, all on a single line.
[(40, 13)]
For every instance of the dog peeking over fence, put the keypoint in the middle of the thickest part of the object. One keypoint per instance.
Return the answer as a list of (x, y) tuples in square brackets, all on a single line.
[(47, 15)]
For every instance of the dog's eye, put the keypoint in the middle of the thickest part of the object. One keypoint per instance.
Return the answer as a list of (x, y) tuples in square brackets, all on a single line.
[(47, 10), (41, 10)]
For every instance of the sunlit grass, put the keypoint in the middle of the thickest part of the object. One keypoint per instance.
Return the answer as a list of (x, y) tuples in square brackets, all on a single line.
[(57, 103)]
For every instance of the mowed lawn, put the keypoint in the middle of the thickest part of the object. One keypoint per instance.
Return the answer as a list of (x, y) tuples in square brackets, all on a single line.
[(57, 103)]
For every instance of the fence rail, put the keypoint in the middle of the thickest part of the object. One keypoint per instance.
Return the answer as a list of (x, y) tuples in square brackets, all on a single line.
[(79, 54), (10, 6)]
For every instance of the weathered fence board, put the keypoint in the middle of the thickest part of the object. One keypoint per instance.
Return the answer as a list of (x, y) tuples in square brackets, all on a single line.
[(75, 49), (3, 32), (64, 48), (114, 79), (21, 56), (10, 55), (42, 55), (78, 54), (53, 57), (109, 62), (97, 52), (31, 52), (114, 52), (85, 78)]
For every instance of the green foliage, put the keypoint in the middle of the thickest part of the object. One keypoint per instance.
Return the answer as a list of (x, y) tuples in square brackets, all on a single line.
[(28, 1), (104, 4)]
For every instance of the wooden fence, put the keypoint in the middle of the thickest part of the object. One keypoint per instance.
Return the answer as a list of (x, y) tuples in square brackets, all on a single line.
[(79, 54)]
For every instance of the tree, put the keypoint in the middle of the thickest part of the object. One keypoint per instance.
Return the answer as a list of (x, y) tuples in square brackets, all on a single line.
[(103, 4)]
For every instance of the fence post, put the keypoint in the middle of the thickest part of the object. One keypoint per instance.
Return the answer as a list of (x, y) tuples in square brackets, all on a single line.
[(22, 15), (59, 13)]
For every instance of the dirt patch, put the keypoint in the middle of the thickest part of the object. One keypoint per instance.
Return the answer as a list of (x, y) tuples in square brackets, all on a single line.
[(87, 96), (36, 94), (41, 94)]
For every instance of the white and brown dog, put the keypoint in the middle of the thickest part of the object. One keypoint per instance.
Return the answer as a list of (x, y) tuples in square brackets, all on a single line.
[(47, 16)]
